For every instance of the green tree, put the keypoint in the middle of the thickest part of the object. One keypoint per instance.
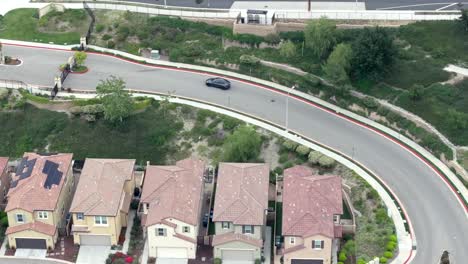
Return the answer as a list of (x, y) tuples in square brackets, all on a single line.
[(288, 49), (320, 36), (373, 53), (243, 145), (457, 120), (415, 92), (80, 57), (338, 64), (117, 102), (463, 19)]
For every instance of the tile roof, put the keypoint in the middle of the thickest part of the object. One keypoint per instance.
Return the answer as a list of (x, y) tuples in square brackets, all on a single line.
[(37, 226), (229, 237), (100, 190), (174, 192), (3, 164), (241, 193), (309, 202), (29, 193)]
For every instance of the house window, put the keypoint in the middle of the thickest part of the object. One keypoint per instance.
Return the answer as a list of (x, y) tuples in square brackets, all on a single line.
[(160, 231), (292, 240), (100, 220), (186, 229), (42, 215), (225, 225), (336, 219), (19, 218), (247, 229), (79, 216), (317, 244)]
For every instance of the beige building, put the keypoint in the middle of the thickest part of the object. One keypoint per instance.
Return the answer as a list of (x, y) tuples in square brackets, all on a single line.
[(170, 205), (102, 201), (312, 205), (240, 209), (39, 199)]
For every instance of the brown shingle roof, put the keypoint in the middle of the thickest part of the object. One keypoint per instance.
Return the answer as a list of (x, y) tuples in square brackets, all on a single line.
[(101, 187), (309, 202), (174, 191), (30, 193), (241, 193), (229, 237), (37, 226)]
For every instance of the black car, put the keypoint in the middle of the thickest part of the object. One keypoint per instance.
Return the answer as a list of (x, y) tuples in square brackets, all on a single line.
[(218, 83)]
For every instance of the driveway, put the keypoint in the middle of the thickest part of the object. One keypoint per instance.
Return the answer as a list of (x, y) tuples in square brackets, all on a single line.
[(93, 254), (171, 261), (30, 253)]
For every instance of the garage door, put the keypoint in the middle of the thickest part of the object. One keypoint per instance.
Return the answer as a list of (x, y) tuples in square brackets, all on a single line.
[(173, 253), (306, 261), (31, 243), (243, 256), (95, 240)]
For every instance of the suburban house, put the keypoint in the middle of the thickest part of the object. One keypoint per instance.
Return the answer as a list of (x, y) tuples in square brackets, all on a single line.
[(102, 201), (312, 205), (240, 209), (38, 200), (170, 205), (4, 181)]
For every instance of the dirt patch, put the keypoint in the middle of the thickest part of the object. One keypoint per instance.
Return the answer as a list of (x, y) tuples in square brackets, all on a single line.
[(270, 153), (55, 106)]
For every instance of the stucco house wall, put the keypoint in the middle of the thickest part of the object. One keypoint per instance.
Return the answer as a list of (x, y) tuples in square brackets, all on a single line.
[(170, 241), (308, 252)]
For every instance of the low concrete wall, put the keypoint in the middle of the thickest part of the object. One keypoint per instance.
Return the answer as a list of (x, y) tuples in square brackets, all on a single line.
[(51, 7)]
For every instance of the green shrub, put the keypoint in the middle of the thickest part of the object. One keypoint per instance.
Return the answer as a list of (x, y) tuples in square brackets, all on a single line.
[(272, 38), (288, 165), (383, 260), (4, 221), (339, 262), (361, 261), (106, 37), (278, 170), (342, 256), (258, 261), (326, 162), (391, 246), (388, 254), (249, 60), (392, 238), (99, 28), (302, 150), (370, 103), (283, 158), (291, 145), (110, 44), (314, 157), (217, 261)]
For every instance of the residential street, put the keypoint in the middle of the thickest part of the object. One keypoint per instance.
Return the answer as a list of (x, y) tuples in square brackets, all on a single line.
[(427, 199)]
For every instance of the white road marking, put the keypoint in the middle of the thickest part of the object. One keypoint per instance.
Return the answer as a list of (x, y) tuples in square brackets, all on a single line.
[(446, 6), (404, 6)]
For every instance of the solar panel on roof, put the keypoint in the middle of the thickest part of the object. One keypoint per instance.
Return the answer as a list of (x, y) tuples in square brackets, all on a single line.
[(53, 174), (25, 168)]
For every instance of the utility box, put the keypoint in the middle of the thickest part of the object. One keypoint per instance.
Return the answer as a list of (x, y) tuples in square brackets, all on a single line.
[(155, 54)]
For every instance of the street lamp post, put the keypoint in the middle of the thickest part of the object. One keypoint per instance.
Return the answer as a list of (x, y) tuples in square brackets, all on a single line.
[(287, 106)]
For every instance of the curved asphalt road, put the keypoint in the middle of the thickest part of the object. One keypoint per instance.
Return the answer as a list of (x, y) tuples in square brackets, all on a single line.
[(439, 221)]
